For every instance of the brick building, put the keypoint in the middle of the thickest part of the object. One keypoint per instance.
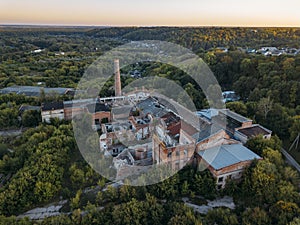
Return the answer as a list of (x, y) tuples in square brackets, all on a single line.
[(225, 161)]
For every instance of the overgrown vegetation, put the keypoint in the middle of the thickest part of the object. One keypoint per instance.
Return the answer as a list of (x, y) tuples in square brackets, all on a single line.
[(44, 163)]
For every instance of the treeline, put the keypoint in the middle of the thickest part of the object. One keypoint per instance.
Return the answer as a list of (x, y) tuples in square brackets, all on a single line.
[(204, 38), (19, 65)]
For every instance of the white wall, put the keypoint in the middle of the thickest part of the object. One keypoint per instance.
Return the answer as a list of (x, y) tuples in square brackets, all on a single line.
[(46, 115), (237, 174)]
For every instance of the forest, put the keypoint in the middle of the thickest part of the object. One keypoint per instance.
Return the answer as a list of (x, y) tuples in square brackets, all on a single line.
[(44, 165)]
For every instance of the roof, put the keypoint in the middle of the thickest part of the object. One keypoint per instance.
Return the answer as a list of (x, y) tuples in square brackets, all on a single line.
[(234, 116), (188, 128), (24, 108), (150, 105), (78, 102), (35, 90), (170, 118), (208, 113), (207, 132), (98, 107), (120, 110), (226, 155), (52, 106), (173, 123), (255, 130)]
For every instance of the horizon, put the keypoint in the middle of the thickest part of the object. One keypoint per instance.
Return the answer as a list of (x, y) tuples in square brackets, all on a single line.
[(175, 13), (137, 26)]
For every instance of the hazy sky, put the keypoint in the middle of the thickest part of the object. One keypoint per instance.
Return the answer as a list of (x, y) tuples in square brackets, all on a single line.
[(152, 12)]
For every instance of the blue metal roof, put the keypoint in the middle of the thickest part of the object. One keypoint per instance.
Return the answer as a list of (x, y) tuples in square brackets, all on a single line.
[(227, 155), (208, 113)]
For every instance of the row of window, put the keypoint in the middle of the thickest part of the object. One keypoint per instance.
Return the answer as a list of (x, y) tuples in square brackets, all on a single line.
[(177, 153), (221, 179)]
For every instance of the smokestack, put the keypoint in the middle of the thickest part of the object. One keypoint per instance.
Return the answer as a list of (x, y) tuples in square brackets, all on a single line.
[(118, 90)]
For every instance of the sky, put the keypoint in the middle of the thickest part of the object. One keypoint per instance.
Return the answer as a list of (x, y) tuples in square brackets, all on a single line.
[(152, 12)]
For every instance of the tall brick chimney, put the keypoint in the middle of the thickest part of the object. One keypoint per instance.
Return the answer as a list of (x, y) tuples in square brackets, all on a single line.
[(118, 90)]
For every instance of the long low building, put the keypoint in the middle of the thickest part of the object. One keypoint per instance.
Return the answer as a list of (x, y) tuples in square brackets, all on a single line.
[(35, 91), (68, 109)]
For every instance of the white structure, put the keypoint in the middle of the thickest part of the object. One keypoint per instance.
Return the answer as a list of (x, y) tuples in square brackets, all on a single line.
[(52, 110)]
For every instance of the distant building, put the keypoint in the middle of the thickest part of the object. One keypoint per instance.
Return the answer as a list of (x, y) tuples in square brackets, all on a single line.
[(271, 51), (151, 106), (250, 50), (230, 96), (222, 49), (35, 91), (113, 135), (69, 109), (140, 126), (37, 51)]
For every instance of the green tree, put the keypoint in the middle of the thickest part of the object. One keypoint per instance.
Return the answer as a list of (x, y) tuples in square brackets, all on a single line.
[(221, 216), (238, 107), (283, 212), (265, 105), (75, 202), (296, 221), (77, 176), (131, 213), (258, 144), (295, 128), (274, 156), (264, 179), (31, 118), (255, 216)]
